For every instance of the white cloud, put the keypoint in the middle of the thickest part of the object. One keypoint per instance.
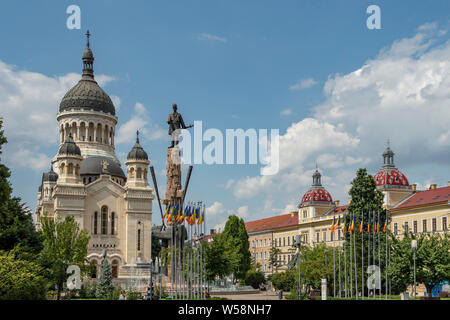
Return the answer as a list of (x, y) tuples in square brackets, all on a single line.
[(286, 112), (303, 84), (116, 101), (210, 37), (402, 94), (139, 121), (29, 102)]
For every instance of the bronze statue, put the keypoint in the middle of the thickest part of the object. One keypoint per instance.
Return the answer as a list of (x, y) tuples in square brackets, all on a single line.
[(176, 123)]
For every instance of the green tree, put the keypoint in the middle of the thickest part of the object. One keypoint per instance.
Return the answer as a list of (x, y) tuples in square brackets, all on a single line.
[(20, 279), (217, 264), (432, 261), (16, 222), (64, 244), (314, 267), (366, 200), (105, 285), (156, 246), (254, 278), (274, 253), (235, 239), (285, 281)]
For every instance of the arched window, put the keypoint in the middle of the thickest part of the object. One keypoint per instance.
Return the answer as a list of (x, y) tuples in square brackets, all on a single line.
[(113, 221), (93, 269), (61, 168), (95, 222), (70, 169), (114, 268), (139, 173), (77, 169), (104, 220), (132, 173)]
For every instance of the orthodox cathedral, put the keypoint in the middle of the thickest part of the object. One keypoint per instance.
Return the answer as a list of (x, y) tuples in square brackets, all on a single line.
[(86, 180)]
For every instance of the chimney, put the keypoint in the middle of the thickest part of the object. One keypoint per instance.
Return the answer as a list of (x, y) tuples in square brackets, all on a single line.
[(349, 200), (336, 203), (433, 186), (414, 187)]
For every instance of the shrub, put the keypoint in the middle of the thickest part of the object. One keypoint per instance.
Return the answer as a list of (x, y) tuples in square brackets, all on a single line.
[(254, 278)]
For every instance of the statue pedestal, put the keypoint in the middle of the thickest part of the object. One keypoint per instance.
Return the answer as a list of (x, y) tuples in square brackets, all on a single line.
[(174, 193)]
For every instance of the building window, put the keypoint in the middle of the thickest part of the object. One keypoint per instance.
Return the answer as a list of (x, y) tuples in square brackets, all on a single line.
[(139, 240), (444, 223), (113, 221), (339, 234), (95, 222), (284, 241), (332, 236), (289, 241), (260, 243), (415, 226), (434, 224), (114, 268), (104, 220), (324, 236), (406, 227), (395, 228), (318, 236), (424, 226)]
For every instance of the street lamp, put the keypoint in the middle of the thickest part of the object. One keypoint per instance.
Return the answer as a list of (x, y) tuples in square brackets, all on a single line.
[(298, 244), (414, 248)]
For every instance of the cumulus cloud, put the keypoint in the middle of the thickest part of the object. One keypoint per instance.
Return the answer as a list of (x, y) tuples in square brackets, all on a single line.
[(29, 102), (210, 37), (139, 121), (303, 84), (402, 94)]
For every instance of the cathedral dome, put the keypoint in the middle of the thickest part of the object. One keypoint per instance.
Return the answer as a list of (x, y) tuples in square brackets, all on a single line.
[(94, 166), (87, 94), (317, 194), (69, 147), (137, 153), (51, 176), (389, 176)]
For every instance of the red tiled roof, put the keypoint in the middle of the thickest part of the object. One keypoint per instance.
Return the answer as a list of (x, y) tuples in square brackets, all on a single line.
[(338, 210), (271, 223), (421, 198)]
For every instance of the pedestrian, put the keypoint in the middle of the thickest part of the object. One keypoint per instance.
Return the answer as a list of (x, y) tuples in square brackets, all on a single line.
[(122, 295)]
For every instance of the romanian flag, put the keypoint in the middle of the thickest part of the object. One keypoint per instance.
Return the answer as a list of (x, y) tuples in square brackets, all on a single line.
[(188, 215), (343, 226), (332, 225), (183, 214), (368, 224), (362, 222), (194, 216), (374, 225), (178, 211), (352, 226), (386, 222), (165, 213), (200, 217), (338, 224), (169, 217), (378, 223)]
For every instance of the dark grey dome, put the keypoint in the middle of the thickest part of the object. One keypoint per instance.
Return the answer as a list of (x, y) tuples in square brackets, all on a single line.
[(87, 94), (137, 153), (69, 147), (93, 166), (51, 176)]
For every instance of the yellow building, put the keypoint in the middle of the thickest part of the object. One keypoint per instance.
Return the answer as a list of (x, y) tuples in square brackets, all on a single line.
[(417, 211)]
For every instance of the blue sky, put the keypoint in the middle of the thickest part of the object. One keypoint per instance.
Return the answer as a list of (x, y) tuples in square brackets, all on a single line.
[(239, 64)]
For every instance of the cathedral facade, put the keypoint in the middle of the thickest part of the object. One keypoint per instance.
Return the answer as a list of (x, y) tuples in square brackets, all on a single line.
[(86, 180)]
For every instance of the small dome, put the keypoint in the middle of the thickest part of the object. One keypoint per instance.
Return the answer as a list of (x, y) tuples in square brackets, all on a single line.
[(69, 147), (137, 153), (386, 178), (51, 176), (317, 194), (94, 166), (88, 54)]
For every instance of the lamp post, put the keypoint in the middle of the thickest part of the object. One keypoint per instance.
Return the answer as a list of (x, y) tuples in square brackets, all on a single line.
[(298, 245), (414, 248)]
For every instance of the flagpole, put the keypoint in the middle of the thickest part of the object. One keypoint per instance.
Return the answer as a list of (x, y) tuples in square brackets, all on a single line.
[(368, 252), (356, 266), (334, 265), (351, 261), (374, 249), (339, 256), (386, 258), (345, 254), (362, 256), (379, 251)]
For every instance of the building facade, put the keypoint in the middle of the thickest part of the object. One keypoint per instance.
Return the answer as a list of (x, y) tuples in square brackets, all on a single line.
[(409, 209), (86, 180)]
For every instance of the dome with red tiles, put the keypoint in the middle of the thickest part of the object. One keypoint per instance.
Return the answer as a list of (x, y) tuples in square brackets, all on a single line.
[(317, 194), (389, 176)]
